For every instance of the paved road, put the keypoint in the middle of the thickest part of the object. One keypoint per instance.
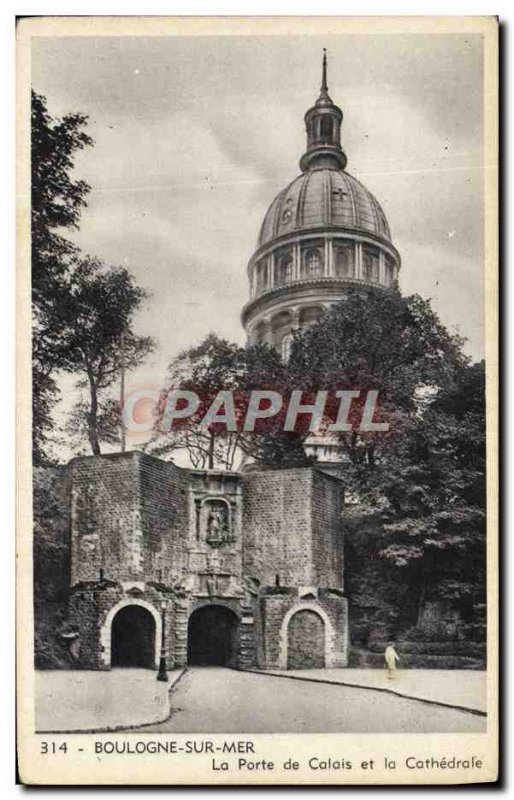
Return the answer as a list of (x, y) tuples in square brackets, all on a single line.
[(217, 700)]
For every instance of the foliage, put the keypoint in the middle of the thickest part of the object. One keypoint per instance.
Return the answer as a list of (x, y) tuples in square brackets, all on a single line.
[(213, 365), (428, 498), (44, 395), (92, 316), (57, 199), (56, 202), (107, 426), (381, 341), (418, 532), (217, 365), (51, 549)]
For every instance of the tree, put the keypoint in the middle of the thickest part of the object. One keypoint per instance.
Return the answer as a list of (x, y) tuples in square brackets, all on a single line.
[(92, 316), (440, 520), (418, 530), (382, 341), (269, 444), (44, 396), (427, 502), (108, 422), (213, 366), (206, 369), (56, 202)]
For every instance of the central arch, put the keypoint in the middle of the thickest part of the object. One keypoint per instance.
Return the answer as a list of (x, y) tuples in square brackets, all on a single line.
[(133, 638), (213, 637)]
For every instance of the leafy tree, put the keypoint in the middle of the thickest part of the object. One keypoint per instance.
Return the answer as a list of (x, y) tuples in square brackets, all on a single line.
[(44, 394), (427, 500), (269, 444), (56, 202), (382, 341), (108, 421), (417, 532), (209, 368), (51, 558), (206, 369), (92, 316)]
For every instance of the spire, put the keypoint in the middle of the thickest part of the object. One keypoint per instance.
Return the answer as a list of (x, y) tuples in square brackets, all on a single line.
[(324, 98), (324, 87), (323, 125)]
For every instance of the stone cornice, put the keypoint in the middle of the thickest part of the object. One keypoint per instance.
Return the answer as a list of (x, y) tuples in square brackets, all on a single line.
[(283, 293)]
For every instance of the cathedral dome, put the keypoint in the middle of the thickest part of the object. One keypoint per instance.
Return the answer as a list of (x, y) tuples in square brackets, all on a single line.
[(323, 236), (324, 198)]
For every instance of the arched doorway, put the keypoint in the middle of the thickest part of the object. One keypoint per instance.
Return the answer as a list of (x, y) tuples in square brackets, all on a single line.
[(213, 637), (133, 638), (306, 641)]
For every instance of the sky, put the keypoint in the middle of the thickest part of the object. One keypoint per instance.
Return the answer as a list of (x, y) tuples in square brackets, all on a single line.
[(194, 137)]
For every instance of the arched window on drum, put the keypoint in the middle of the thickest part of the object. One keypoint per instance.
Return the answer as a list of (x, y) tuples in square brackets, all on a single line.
[(344, 260), (260, 271), (390, 271), (313, 263), (286, 347), (284, 269), (370, 264)]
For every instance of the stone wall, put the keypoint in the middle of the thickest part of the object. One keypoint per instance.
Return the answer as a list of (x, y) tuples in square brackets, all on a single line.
[(106, 518), (277, 526), (91, 612), (279, 607), (327, 532), (291, 522), (51, 551), (165, 518), (130, 517), (306, 641)]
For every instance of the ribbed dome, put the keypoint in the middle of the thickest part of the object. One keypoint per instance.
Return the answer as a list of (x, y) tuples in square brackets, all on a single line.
[(323, 198)]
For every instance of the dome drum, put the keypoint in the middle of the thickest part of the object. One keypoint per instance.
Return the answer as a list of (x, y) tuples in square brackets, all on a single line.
[(277, 328), (315, 258), (277, 314)]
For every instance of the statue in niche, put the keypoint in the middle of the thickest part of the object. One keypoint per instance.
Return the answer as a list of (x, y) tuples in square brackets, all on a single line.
[(251, 587), (218, 528)]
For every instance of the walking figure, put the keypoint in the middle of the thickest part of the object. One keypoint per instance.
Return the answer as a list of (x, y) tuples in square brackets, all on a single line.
[(391, 657)]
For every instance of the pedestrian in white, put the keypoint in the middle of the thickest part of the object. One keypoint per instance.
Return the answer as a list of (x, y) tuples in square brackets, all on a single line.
[(391, 657)]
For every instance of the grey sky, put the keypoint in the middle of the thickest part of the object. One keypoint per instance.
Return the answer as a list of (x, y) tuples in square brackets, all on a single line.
[(195, 136)]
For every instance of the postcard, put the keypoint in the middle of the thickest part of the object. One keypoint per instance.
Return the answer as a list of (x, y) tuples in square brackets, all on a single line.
[(257, 347)]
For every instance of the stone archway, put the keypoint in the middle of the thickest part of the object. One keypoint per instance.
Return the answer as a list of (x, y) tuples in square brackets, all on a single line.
[(324, 644), (133, 638), (306, 641), (106, 630), (213, 637)]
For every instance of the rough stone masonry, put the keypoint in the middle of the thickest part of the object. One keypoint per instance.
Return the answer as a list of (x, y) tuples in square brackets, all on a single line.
[(242, 569)]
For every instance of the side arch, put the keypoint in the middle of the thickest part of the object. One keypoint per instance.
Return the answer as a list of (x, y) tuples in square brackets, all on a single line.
[(329, 632), (106, 629)]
